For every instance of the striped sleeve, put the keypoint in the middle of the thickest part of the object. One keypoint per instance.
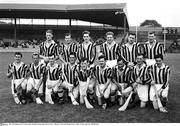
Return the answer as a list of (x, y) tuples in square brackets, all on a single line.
[(93, 54), (167, 75)]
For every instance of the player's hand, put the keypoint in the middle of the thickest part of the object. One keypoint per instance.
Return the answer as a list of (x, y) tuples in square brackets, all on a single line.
[(153, 82), (11, 70)]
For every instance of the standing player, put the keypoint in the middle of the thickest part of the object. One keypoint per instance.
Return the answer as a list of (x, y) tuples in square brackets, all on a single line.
[(48, 47), (34, 84), (110, 48), (70, 78), (54, 79), (87, 49), (160, 84), (152, 48), (67, 48), (84, 82), (103, 87), (18, 71), (130, 50)]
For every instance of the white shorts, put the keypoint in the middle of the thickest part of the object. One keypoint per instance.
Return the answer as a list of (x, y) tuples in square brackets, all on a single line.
[(150, 62), (83, 86), (111, 63), (16, 83), (32, 83), (142, 91), (75, 90), (52, 84), (158, 86), (99, 89)]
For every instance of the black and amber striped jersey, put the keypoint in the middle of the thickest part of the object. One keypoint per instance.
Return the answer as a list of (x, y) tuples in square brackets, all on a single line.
[(110, 51), (51, 49), (87, 51), (38, 71), (121, 75), (66, 50), (54, 72), (151, 51), (160, 75), (129, 52), (143, 72), (70, 73), (20, 70), (83, 74), (102, 74)]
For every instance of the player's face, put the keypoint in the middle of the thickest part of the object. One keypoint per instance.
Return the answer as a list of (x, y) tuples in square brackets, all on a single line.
[(109, 38), (158, 62), (51, 60), (86, 37), (84, 65), (49, 36), (68, 39), (102, 62), (120, 64), (151, 37), (35, 59), (139, 60), (131, 39), (72, 59), (17, 58)]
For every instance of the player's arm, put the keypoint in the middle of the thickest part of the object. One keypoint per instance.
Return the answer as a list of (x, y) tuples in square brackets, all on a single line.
[(94, 51), (10, 71), (43, 70), (166, 82)]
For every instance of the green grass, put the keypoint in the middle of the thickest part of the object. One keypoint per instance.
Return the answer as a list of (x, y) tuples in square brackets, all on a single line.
[(67, 113)]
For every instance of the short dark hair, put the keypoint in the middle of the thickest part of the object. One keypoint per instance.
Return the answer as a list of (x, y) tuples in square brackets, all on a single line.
[(85, 32), (18, 53), (35, 54), (109, 33), (132, 34), (83, 59), (49, 31), (101, 57), (73, 53), (151, 32), (140, 54), (68, 34), (158, 56)]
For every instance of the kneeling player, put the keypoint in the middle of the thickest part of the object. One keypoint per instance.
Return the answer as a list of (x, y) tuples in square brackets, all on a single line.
[(34, 84), (160, 84), (84, 82), (70, 78), (54, 79), (142, 79), (103, 87), (121, 78), (18, 71)]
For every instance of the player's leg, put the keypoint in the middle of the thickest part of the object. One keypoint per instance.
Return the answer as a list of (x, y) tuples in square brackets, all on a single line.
[(164, 96), (106, 96), (142, 91), (98, 94), (74, 95), (23, 90), (90, 91), (14, 92), (113, 91), (48, 98), (153, 98)]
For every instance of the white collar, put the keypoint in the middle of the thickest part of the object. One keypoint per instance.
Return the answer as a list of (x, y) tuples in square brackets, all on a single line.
[(137, 66), (113, 43)]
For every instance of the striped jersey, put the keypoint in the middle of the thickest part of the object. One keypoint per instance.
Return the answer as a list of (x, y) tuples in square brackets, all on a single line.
[(52, 49), (70, 72), (66, 50), (151, 52), (20, 70), (160, 75), (87, 51), (83, 74), (36, 72), (110, 51), (121, 76), (102, 74), (142, 72), (54, 72), (129, 52)]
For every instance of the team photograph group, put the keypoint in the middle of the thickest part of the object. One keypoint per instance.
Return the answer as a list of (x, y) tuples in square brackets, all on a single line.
[(126, 74)]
